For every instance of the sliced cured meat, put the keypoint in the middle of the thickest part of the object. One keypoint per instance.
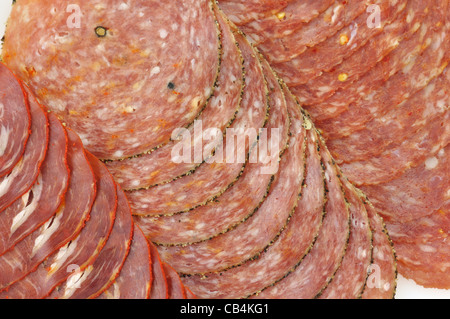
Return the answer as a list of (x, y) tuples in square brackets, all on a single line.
[(417, 193), (159, 75), (160, 289), (382, 280), (422, 248), (317, 60), (97, 277), (176, 288), (216, 175), (79, 253), (382, 96), (314, 273), (159, 167), (343, 75), (24, 174), (15, 120), (231, 208), (190, 294), (337, 16), (63, 227), (286, 21), (275, 262), (350, 279), (392, 163), (385, 132), (244, 11), (250, 238), (41, 202), (135, 279)]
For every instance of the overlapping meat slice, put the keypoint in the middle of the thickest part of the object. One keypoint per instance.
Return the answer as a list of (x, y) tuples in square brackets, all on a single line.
[(15, 120), (80, 252), (159, 167), (160, 289), (212, 178), (63, 227), (26, 171), (41, 202), (231, 208), (119, 64), (175, 285)]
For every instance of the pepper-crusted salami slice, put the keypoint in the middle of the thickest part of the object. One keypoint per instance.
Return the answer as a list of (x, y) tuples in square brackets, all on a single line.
[(250, 238), (64, 226), (92, 281), (292, 246), (122, 66), (26, 171), (160, 167), (212, 178), (318, 268), (81, 251), (15, 120), (41, 202), (351, 277), (231, 208), (176, 288), (136, 277), (160, 289), (337, 16)]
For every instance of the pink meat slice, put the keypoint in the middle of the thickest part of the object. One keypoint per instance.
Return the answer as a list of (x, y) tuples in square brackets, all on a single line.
[(119, 64), (176, 288), (217, 174), (160, 289), (15, 120), (41, 202)]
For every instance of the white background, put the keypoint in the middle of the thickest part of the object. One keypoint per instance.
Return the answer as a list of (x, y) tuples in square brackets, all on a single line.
[(407, 289)]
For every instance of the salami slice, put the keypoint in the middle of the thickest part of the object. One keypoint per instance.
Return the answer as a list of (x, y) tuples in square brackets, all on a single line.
[(309, 278), (176, 288), (212, 178), (337, 16), (285, 21), (63, 227), (97, 277), (24, 174), (159, 166), (15, 120), (294, 242), (382, 280), (190, 294), (357, 35), (385, 132), (350, 280), (41, 202), (417, 193), (160, 289), (231, 208), (118, 64), (80, 252), (135, 279)]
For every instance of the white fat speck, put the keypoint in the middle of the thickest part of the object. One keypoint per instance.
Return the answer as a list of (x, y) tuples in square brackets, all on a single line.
[(75, 280), (124, 6), (163, 33), (21, 217), (155, 70), (431, 163), (118, 154), (63, 254), (4, 139), (46, 232)]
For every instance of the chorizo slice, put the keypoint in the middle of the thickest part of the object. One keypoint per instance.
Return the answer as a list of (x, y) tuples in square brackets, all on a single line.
[(160, 288), (175, 285)]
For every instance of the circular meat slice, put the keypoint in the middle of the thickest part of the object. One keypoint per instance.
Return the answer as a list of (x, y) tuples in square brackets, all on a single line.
[(350, 279), (417, 193), (285, 21), (231, 208), (318, 60), (15, 120), (250, 238), (176, 288), (136, 278), (216, 175), (160, 289), (63, 227), (388, 131), (117, 73), (24, 174), (41, 202), (315, 272), (336, 17), (80, 252), (97, 277), (382, 280), (292, 246), (159, 166)]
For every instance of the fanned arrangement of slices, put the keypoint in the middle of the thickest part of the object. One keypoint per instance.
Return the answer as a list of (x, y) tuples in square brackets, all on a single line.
[(218, 163)]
